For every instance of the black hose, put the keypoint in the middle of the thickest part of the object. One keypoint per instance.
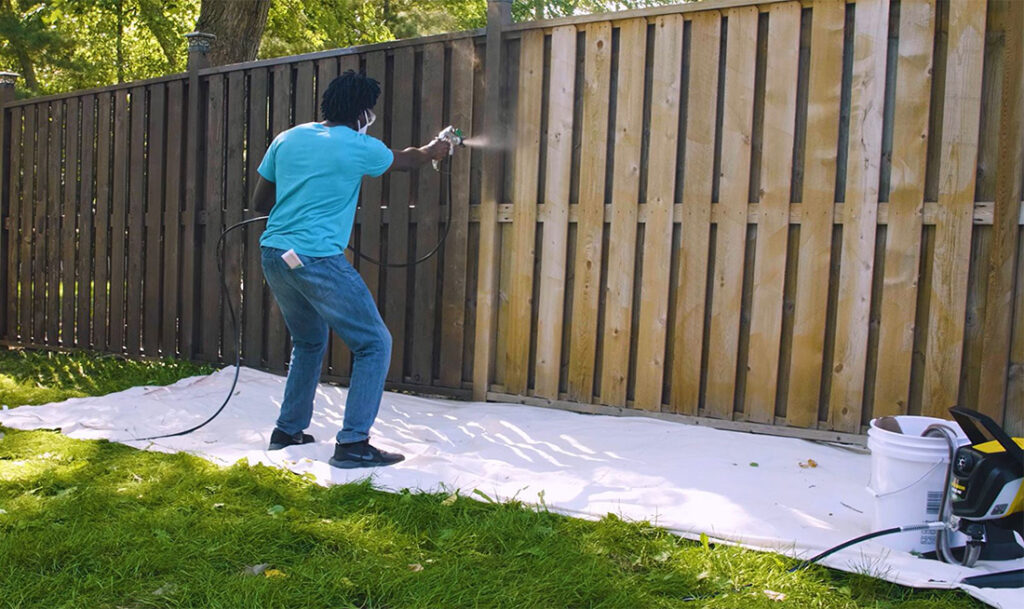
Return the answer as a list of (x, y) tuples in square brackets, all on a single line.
[(863, 538), (237, 329)]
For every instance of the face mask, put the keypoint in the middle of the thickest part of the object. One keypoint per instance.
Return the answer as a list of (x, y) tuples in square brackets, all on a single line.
[(369, 117)]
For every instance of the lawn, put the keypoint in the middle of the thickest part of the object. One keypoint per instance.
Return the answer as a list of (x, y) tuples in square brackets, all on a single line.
[(99, 525)]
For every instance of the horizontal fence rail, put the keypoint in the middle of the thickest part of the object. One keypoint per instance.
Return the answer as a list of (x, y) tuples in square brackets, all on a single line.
[(783, 216)]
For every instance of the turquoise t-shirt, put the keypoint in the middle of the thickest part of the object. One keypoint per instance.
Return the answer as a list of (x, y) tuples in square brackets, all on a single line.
[(318, 171)]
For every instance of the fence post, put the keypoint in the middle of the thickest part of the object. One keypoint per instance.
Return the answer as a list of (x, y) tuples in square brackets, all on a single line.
[(198, 58), (499, 16), (7, 230)]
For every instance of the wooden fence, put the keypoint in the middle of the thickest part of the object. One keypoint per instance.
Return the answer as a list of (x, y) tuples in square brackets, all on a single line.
[(776, 215)]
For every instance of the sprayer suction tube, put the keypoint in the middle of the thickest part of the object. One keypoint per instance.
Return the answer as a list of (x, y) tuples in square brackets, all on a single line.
[(237, 329)]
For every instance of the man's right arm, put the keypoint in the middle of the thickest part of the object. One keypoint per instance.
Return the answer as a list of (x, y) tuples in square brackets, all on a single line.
[(414, 158)]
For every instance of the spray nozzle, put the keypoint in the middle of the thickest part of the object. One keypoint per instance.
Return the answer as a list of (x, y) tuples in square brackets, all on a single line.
[(452, 135)]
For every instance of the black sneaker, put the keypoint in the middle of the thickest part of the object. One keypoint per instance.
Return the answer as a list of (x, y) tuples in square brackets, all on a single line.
[(279, 439), (362, 454)]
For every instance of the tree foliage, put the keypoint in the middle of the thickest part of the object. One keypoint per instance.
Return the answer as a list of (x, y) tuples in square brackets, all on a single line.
[(64, 45)]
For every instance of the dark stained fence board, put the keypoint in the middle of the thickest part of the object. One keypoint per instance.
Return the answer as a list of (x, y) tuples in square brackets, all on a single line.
[(118, 212), (101, 233), (233, 202), (38, 276), (277, 334), (27, 225), (326, 71), (172, 220), (156, 150), (398, 210), (86, 190), (16, 217), (69, 222), (304, 93), (53, 218), (136, 222), (255, 294), (428, 193), (368, 230), (453, 299), (210, 299)]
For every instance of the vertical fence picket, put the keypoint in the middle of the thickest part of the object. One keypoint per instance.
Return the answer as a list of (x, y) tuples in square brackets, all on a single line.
[(54, 201), (86, 254), (17, 226), (118, 230), (906, 203), (277, 335), (428, 193), (210, 328), (232, 205), (156, 151), (395, 303), (698, 186), (69, 228), (453, 299), (590, 218), (372, 191), (254, 303), (954, 219), (1006, 229), (172, 220), (37, 278), (622, 235), (860, 214), (817, 207), (551, 295), (27, 225), (524, 210), (101, 272), (136, 222), (773, 225), (653, 325)]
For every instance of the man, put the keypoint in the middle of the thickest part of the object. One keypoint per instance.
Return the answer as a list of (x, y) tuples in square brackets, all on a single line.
[(309, 181)]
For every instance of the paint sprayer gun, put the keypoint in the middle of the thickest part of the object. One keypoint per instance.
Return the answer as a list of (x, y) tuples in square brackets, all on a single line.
[(452, 135)]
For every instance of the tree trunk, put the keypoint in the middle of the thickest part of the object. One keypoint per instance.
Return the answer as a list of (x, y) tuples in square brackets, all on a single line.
[(28, 71), (238, 26)]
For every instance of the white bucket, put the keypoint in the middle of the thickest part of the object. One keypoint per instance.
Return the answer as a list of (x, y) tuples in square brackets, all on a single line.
[(908, 477)]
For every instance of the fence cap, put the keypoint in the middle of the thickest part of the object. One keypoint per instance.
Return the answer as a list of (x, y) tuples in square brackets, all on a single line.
[(200, 41), (8, 79)]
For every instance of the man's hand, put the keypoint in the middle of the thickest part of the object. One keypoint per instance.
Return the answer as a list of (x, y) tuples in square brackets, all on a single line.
[(438, 149)]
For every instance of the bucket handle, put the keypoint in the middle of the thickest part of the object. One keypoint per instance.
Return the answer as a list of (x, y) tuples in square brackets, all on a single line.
[(900, 490)]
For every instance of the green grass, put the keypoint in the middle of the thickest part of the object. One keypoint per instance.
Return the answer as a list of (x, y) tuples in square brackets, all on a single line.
[(100, 525), (39, 377)]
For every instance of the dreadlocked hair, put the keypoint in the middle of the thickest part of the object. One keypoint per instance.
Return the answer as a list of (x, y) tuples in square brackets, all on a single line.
[(348, 96)]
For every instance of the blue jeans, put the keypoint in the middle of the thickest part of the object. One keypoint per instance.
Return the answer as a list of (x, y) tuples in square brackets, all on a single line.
[(328, 292)]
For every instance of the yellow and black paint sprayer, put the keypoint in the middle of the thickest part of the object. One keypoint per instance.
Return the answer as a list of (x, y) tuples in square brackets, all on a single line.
[(983, 498)]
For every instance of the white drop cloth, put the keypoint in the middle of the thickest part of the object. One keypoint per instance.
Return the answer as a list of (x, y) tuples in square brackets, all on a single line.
[(736, 487)]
